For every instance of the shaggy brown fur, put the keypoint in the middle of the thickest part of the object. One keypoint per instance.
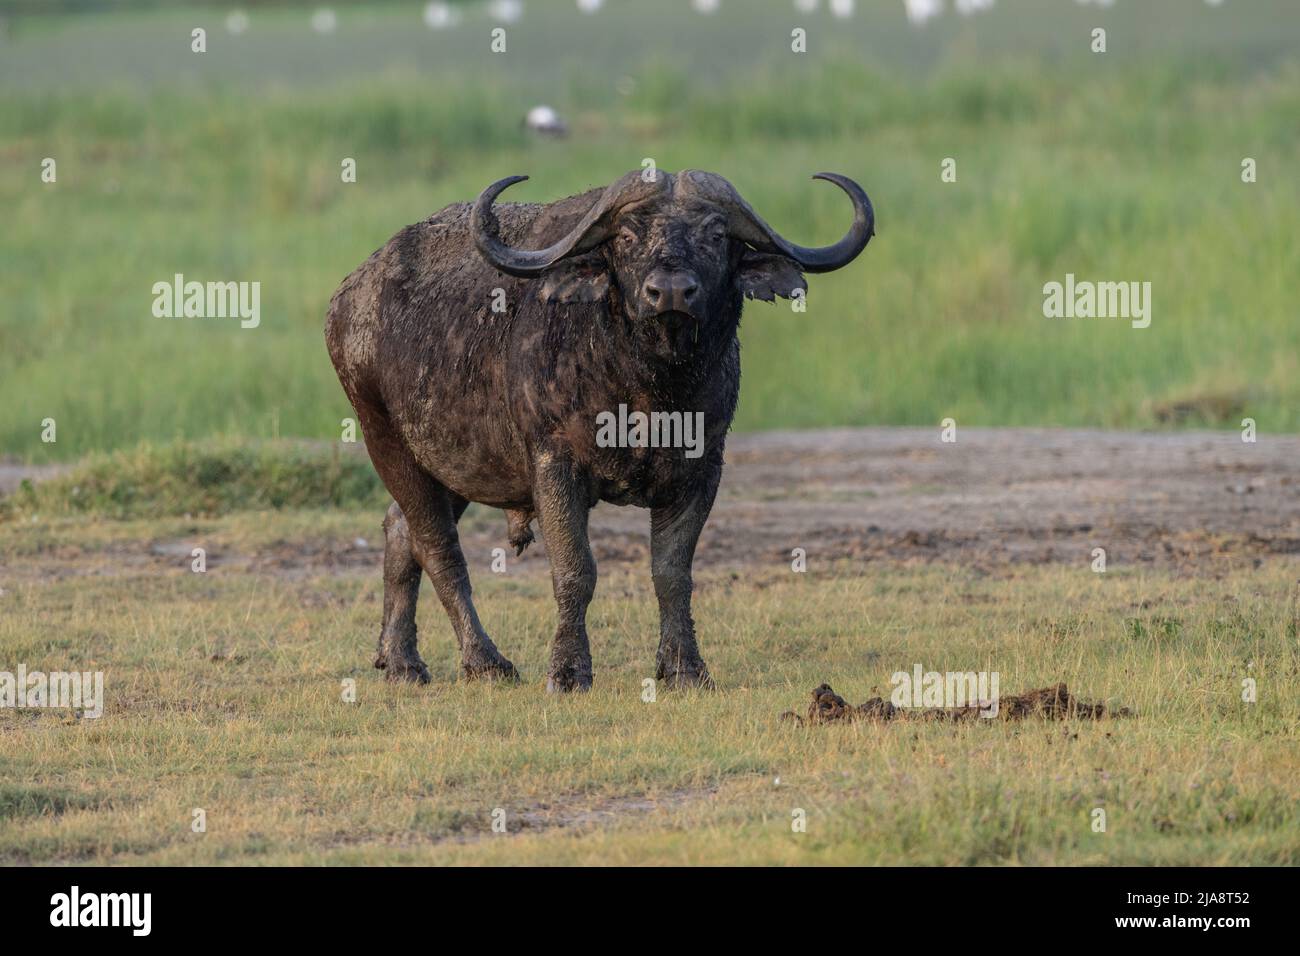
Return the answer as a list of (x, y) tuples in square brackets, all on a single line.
[(477, 368)]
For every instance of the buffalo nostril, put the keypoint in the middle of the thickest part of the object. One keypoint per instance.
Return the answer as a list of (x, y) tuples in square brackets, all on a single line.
[(667, 291)]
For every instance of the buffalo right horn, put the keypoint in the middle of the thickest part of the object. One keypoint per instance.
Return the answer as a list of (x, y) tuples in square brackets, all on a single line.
[(593, 229)]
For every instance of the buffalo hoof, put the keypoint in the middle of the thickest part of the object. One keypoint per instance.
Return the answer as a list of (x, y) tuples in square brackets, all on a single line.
[(499, 669), (407, 672), (688, 678)]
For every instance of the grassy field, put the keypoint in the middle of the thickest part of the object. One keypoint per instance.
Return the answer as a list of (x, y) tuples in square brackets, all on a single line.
[(226, 165), (225, 690), (224, 693)]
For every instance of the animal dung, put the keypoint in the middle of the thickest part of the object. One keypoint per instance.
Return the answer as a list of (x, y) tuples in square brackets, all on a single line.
[(1050, 703)]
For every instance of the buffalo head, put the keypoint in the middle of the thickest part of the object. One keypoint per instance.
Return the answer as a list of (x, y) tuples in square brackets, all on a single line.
[(678, 250)]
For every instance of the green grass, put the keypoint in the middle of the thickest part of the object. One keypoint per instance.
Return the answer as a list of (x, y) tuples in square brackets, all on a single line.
[(224, 692), (209, 478), (1122, 166)]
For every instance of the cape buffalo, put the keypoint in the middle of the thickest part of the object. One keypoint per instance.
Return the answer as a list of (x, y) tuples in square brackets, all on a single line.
[(479, 348)]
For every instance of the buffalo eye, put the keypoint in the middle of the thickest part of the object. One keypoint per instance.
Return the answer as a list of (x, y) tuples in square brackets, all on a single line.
[(627, 236)]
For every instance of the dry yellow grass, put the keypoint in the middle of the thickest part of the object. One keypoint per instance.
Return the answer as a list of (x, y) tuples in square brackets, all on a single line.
[(224, 692)]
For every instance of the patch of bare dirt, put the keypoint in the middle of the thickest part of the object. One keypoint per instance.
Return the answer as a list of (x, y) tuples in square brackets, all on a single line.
[(13, 473), (578, 813), (1047, 703), (575, 812), (994, 498), (999, 496)]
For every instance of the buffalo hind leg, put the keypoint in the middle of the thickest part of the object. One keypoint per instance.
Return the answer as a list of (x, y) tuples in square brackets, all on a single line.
[(430, 512), (560, 500), (673, 535), (398, 655)]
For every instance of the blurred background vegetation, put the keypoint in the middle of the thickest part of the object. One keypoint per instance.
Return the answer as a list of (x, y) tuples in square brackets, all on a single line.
[(226, 166)]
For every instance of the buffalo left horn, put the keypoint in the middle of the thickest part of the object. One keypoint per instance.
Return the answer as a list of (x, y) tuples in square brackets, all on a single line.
[(749, 226)]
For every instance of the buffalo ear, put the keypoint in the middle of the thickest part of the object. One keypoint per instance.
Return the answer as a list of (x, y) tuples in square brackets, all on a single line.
[(762, 275), (580, 279)]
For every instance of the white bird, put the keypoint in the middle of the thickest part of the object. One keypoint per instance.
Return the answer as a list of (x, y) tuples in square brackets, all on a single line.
[(507, 11), (544, 120), (921, 11), (440, 16), (918, 11), (324, 20)]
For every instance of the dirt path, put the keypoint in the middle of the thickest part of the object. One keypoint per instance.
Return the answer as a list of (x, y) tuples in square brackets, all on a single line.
[(996, 496)]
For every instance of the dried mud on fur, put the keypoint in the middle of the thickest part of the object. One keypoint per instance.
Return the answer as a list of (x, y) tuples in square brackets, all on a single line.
[(1049, 703)]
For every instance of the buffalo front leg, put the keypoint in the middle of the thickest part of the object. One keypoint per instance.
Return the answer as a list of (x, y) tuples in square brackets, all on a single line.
[(674, 532), (561, 502)]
